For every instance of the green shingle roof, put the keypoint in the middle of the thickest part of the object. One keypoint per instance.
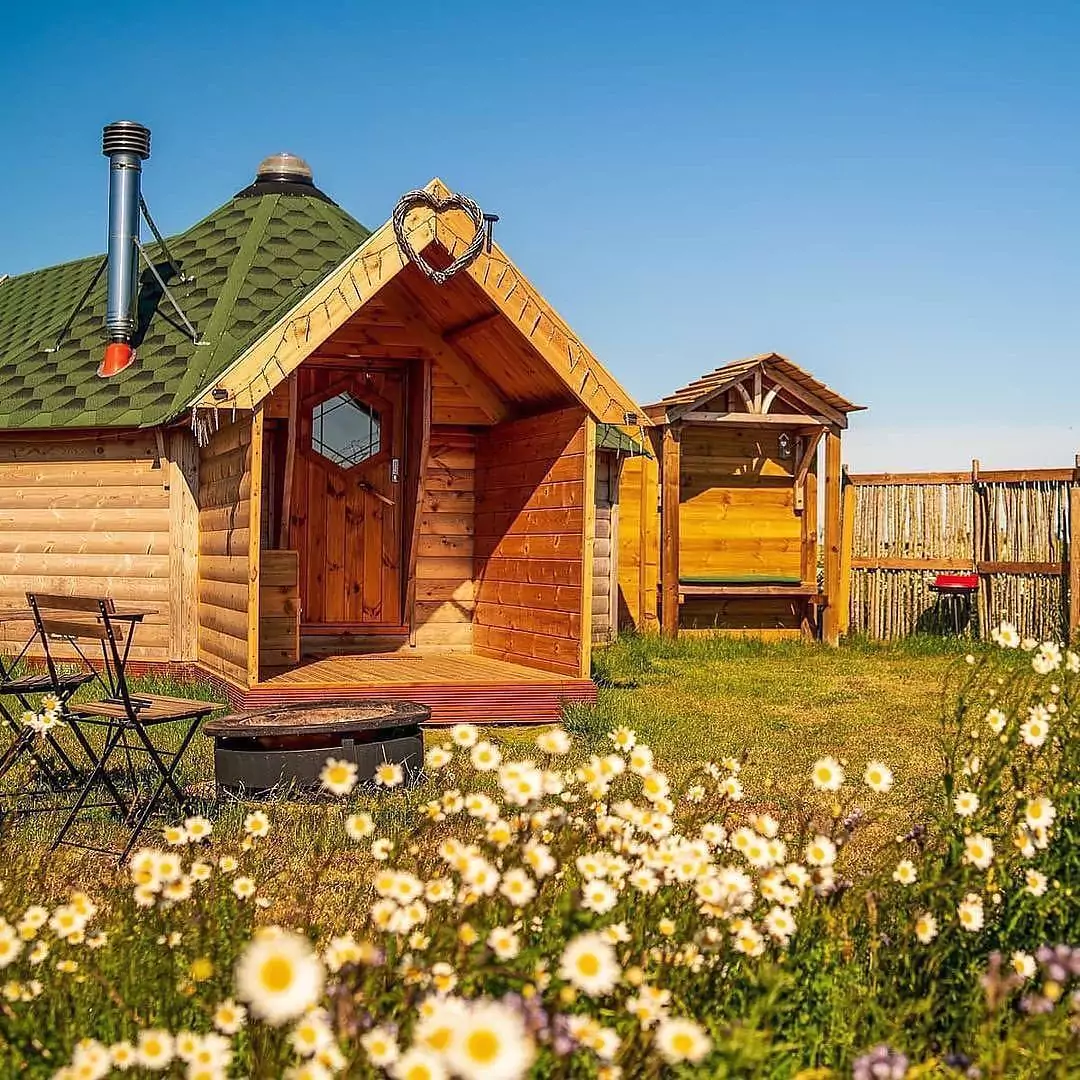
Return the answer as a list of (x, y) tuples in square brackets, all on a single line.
[(250, 261), (610, 437)]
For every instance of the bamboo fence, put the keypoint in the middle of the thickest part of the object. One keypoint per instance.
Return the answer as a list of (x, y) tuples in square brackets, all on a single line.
[(1012, 528)]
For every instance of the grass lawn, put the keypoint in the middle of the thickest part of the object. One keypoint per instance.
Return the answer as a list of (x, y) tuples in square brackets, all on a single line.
[(778, 706)]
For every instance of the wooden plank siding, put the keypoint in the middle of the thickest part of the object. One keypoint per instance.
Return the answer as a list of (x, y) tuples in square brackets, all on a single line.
[(445, 571), (279, 609), (87, 516), (639, 544), (737, 508), (530, 540), (225, 506), (737, 519), (183, 455)]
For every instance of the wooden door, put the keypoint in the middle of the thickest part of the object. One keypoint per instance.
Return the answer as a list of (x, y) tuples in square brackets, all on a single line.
[(346, 526)]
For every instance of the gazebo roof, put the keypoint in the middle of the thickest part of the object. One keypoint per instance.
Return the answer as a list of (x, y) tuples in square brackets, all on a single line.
[(791, 380)]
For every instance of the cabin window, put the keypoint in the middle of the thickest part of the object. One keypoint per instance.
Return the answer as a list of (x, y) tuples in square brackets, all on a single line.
[(345, 430)]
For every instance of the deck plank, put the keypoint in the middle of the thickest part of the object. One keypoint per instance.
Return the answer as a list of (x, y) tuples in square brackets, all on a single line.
[(395, 670), (456, 686)]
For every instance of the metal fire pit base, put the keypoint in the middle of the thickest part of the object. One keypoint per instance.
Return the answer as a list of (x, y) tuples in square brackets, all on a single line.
[(288, 746)]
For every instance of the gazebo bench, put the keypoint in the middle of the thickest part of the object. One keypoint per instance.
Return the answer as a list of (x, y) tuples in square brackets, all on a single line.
[(728, 586)]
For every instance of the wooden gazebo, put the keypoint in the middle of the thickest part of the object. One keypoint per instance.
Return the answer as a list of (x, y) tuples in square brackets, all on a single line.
[(738, 457)]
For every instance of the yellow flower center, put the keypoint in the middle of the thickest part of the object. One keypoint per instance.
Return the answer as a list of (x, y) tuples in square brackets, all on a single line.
[(588, 964), (276, 974), (682, 1043), (418, 1071), (482, 1046)]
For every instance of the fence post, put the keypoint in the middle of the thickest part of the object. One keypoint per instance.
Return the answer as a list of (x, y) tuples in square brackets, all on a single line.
[(830, 620), (978, 550), (847, 536), (1074, 551)]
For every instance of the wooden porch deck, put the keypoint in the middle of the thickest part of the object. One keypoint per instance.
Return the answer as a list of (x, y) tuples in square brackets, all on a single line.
[(456, 686)]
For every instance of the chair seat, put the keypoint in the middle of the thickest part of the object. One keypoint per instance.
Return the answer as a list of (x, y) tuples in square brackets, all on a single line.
[(42, 684), (156, 710)]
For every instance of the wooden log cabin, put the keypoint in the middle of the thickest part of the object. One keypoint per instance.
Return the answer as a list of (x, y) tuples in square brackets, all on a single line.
[(719, 531), (323, 475)]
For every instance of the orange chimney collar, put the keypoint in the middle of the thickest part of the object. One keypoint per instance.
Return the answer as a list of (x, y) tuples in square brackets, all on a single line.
[(118, 356)]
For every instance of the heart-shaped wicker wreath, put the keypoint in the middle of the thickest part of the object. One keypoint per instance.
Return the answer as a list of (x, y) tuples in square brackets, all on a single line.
[(414, 200)]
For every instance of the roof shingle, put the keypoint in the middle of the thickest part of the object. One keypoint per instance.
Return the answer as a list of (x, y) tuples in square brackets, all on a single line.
[(714, 381), (244, 265)]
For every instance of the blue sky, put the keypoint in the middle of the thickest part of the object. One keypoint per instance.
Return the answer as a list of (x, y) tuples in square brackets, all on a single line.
[(887, 194)]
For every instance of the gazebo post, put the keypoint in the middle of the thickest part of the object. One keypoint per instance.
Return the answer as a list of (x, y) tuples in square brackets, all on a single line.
[(831, 618), (669, 531)]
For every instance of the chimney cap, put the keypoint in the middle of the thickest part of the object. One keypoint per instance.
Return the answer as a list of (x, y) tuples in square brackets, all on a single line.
[(285, 167), (126, 136)]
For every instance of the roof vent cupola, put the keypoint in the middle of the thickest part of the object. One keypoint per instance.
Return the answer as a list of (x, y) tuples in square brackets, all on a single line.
[(127, 145), (283, 174), (285, 167)]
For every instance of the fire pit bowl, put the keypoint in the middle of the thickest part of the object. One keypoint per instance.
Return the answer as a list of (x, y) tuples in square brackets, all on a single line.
[(256, 751)]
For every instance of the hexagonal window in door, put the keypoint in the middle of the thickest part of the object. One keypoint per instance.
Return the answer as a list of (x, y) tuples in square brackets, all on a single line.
[(345, 430)]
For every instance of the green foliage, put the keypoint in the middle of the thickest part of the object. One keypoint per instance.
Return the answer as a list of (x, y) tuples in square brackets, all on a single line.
[(853, 976)]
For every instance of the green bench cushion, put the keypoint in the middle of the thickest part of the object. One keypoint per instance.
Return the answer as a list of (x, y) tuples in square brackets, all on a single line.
[(739, 579)]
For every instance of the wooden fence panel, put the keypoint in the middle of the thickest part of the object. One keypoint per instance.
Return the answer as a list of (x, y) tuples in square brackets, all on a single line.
[(1010, 527)]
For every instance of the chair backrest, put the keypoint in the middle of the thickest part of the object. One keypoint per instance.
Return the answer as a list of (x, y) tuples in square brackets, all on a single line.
[(74, 617), (80, 618)]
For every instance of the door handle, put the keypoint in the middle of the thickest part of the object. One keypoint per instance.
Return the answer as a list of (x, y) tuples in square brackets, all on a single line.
[(377, 494)]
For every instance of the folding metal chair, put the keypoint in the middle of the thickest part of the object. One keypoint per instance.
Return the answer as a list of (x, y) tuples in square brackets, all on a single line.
[(26, 742), (125, 718)]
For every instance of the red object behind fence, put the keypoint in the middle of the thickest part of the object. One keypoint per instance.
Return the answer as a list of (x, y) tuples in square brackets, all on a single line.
[(957, 582)]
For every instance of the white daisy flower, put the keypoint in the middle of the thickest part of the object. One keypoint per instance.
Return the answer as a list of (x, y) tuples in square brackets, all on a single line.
[(978, 851), (970, 912), (338, 776), (679, 1039), (154, 1049), (492, 1044), (926, 927), (826, 774), (389, 775), (588, 962), (878, 777), (905, 872), (279, 976), (229, 1017)]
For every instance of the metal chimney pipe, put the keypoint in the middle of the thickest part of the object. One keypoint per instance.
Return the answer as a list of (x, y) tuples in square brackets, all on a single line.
[(127, 145)]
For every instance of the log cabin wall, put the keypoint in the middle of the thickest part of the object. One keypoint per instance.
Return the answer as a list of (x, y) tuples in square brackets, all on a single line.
[(225, 508), (531, 526), (445, 570), (737, 521), (605, 549), (88, 516)]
